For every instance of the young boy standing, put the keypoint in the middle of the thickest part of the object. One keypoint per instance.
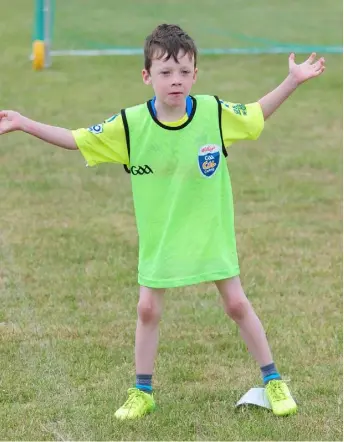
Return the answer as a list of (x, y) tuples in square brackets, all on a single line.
[(174, 148)]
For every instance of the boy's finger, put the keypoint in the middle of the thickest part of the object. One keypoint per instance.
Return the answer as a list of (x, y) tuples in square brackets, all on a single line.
[(319, 63), (311, 57), (291, 60), (319, 72)]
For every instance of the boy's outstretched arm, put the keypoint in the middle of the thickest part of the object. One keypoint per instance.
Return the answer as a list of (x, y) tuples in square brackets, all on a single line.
[(298, 74), (11, 121)]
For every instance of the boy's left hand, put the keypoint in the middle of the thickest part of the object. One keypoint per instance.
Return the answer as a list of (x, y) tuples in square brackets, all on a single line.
[(308, 69)]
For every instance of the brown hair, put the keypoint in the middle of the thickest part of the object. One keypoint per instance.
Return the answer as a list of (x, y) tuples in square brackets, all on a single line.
[(168, 40)]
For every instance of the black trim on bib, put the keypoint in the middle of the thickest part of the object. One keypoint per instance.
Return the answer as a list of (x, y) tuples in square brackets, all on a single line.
[(194, 105), (127, 137), (224, 150)]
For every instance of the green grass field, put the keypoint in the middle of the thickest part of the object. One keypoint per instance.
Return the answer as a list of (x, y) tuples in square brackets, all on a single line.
[(219, 24), (68, 257)]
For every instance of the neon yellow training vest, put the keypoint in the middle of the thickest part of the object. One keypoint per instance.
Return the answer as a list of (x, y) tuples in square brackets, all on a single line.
[(182, 196)]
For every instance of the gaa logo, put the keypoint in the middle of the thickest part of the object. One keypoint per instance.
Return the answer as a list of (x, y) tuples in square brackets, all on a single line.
[(209, 159), (140, 170)]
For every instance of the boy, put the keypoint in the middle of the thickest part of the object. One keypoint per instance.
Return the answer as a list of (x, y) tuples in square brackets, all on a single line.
[(174, 147)]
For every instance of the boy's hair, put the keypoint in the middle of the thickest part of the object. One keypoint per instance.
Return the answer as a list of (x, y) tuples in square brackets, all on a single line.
[(166, 41)]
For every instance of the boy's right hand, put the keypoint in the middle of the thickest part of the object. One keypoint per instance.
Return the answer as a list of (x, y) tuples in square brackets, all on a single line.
[(10, 121)]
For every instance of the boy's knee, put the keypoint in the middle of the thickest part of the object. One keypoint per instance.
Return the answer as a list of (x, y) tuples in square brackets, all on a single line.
[(235, 302), (148, 312), (237, 308), (150, 305)]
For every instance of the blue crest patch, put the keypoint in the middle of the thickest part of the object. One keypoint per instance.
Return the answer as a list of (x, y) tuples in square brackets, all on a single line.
[(97, 129), (209, 159)]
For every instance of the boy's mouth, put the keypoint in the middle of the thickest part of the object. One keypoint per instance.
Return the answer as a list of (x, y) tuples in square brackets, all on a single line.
[(175, 93)]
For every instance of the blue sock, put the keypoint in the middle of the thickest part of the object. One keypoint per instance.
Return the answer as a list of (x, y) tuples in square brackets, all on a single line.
[(270, 373), (144, 383)]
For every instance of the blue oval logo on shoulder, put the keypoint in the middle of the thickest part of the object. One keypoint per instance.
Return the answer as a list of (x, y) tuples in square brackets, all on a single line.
[(96, 129), (209, 159)]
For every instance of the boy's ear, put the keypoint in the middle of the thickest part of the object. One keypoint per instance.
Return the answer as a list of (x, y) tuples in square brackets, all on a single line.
[(195, 75), (146, 77)]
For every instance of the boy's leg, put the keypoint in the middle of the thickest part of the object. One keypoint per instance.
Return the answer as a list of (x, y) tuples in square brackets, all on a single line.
[(149, 311), (238, 307)]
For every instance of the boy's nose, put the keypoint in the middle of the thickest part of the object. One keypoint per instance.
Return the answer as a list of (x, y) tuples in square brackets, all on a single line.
[(176, 80)]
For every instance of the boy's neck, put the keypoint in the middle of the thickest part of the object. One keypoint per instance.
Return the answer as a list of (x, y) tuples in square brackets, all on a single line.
[(169, 113)]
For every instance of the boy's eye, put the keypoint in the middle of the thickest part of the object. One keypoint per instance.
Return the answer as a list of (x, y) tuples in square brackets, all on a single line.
[(165, 72), (185, 72)]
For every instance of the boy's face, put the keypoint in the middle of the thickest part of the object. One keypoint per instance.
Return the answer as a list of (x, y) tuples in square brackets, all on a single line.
[(171, 81)]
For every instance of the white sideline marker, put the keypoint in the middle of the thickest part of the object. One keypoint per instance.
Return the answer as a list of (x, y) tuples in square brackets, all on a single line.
[(255, 396)]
